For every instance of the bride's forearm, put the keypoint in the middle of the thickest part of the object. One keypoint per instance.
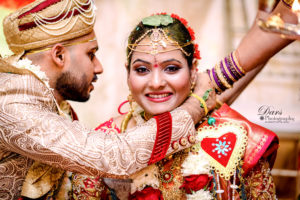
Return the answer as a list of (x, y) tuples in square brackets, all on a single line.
[(258, 46)]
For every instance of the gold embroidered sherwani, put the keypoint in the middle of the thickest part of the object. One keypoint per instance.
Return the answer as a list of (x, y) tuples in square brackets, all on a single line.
[(31, 129)]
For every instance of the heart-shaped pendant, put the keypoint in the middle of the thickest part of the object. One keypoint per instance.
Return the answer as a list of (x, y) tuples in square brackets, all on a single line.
[(224, 145), (220, 148)]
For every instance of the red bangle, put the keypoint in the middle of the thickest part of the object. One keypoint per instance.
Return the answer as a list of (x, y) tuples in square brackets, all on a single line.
[(163, 137)]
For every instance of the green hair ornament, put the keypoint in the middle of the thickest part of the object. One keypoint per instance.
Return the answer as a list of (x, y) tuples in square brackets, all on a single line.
[(157, 20)]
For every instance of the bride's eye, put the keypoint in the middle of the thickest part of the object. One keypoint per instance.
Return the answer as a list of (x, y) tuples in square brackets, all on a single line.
[(172, 68), (141, 70)]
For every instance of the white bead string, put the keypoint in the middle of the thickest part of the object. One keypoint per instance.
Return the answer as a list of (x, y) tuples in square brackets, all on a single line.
[(60, 32), (234, 186), (48, 25), (77, 2), (86, 22), (54, 17), (219, 191), (228, 191), (80, 5)]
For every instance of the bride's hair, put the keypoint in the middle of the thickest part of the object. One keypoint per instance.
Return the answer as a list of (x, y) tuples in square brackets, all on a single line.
[(177, 31)]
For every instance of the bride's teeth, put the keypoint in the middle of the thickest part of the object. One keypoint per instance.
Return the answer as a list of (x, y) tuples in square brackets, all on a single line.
[(158, 96)]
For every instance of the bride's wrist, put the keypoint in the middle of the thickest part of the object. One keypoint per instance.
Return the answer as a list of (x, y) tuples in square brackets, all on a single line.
[(191, 105), (199, 106)]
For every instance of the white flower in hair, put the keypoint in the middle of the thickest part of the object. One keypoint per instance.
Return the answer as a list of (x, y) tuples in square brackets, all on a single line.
[(195, 163), (27, 64), (200, 194)]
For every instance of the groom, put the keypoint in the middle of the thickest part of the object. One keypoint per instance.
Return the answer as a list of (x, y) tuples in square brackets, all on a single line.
[(54, 60)]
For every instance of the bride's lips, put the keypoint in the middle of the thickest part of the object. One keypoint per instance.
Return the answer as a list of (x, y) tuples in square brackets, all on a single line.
[(159, 96)]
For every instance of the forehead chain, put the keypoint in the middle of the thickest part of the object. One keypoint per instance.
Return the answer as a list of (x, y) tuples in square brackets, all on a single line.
[(158, 38)]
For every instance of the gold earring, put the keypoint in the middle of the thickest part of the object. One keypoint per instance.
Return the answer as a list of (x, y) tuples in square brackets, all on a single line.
[(128, 116), (130, 100), (192, 86)]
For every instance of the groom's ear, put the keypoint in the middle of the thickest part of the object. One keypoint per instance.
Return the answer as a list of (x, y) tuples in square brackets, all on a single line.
[(58, 52)]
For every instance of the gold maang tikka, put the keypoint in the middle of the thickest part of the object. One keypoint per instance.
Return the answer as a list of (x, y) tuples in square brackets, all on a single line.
[(158, 37)]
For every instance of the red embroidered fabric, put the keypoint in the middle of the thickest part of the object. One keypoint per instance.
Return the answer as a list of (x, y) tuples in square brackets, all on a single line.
[(226, 146), (163, 137), (261, 141)]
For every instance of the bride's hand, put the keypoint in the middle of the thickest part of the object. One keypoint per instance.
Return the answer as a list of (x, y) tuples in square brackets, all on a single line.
[(203, 84), (192, 104)]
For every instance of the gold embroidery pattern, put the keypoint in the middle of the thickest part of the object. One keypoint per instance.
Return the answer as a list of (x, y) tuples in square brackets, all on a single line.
[(87, 187), (169, 186), (259, 183)]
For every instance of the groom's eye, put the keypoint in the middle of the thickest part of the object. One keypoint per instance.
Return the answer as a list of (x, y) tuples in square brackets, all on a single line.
[(91, 55)]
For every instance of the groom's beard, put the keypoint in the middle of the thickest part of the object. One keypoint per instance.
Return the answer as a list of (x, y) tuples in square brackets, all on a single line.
[(72, 88)]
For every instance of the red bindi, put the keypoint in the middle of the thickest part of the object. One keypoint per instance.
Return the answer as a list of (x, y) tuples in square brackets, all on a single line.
[(155, 65)]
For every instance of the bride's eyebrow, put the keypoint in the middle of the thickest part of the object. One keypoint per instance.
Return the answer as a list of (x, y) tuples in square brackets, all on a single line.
[(140, 60), (171, 60)]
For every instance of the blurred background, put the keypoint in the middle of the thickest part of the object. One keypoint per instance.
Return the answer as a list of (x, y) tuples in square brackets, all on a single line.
[(219, 26)]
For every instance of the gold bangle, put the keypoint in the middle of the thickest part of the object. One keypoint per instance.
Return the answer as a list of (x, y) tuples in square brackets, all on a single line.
[(227, 71), (238, 64), (221, 77), (201, 101)]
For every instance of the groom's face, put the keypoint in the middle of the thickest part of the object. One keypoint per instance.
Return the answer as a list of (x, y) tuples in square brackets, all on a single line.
[(82, 66)]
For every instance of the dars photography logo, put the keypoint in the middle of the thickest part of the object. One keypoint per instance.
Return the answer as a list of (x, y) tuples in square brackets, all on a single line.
[(270, 114)]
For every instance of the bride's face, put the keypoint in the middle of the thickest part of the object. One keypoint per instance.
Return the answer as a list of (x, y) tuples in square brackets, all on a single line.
[(160, 82)]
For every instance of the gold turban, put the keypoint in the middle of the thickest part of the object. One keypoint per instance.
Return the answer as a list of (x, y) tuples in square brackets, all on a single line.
[(46, 22)]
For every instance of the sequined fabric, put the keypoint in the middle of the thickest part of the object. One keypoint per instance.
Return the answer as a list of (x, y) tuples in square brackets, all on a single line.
[(87, 187), (170, 176), (260, 183)]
